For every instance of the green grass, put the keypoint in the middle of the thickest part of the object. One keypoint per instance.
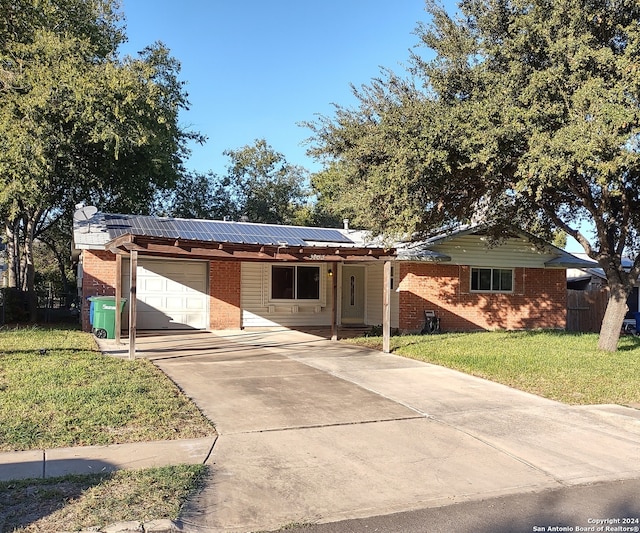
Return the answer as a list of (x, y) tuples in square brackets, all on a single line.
[(72, 395), (76, 502), (561, 366)]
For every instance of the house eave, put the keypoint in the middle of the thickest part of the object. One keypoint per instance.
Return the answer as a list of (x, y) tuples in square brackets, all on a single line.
[(433, 257), (568, 261)]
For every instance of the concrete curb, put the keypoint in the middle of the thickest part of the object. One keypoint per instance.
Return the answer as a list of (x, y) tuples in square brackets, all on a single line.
[(154, 526)]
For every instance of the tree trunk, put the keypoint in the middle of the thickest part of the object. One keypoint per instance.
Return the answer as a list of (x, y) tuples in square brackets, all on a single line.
[(613, 318), (12, 255), (62, 267), (30, 271)]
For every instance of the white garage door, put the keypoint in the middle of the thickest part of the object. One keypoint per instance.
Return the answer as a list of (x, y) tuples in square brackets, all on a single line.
[(171, 294)]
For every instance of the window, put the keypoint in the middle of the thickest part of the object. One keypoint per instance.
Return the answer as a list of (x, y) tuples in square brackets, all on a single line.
[(492, 279), (295, 282), (352, 291)]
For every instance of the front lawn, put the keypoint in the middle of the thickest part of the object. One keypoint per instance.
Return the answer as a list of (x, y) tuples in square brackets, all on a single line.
[(561, 366), (58, 390), (74, 503)]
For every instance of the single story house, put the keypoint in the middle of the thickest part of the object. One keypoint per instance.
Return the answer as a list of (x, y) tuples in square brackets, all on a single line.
[(212, 275)]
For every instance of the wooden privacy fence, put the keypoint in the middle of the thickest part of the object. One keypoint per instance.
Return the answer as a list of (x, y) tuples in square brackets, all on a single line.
[(585, 309)]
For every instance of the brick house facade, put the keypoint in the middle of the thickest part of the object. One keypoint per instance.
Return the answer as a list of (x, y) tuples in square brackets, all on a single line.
[(538, 299), (224, 295), (98, 279)]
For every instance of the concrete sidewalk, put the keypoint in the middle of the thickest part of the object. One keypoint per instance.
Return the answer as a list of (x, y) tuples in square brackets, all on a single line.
[(97, 459)]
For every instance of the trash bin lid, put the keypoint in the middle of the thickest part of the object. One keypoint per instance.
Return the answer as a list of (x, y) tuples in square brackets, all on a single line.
[(103, 298)]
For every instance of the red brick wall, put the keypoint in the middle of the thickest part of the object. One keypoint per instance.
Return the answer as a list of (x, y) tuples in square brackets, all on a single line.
[(224, 291), (98, 279), (538, 300)]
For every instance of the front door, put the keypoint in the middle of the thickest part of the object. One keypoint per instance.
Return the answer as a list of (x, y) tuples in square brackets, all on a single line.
[(352, 295)]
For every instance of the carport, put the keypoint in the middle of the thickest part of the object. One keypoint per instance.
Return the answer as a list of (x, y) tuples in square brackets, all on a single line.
[(265, 243)]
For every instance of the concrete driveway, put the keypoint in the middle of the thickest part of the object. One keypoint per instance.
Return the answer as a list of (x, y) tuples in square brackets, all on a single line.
[(315, 431)]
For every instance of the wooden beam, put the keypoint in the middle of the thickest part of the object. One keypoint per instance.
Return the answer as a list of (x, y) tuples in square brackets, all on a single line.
[(133, 303), (238, 251), (118, 325), (386, 308), (119, 241)]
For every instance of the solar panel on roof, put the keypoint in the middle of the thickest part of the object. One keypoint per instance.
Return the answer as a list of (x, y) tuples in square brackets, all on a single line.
[(220, 231)]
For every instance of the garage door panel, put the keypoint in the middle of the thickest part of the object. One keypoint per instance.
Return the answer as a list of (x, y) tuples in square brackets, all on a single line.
[(174, 303), (171, 294), (193, 303), (151, 285), (191, 284), (155, 303)]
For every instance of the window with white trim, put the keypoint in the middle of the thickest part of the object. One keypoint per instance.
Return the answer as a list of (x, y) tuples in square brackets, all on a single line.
[(295, 282), (492, 279)]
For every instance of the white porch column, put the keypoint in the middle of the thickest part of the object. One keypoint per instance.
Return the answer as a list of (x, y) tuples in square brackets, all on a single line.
[(334, 301), (133, 303)]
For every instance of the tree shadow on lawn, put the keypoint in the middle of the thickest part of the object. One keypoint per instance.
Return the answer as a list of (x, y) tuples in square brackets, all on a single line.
[(23, 502), (46, 352)]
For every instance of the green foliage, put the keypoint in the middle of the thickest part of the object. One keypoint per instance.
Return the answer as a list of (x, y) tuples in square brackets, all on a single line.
[(79, 124), (264, 185), (14, 306), (200, 196), (529, 112)]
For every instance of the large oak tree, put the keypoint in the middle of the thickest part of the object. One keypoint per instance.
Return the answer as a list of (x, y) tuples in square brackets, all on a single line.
[(527, 113), (79, 123)]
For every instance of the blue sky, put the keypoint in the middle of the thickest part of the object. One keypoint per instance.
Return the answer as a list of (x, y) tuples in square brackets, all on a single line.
[(257, 68)]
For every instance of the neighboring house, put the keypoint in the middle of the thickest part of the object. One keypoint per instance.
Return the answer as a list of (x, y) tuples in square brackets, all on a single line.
[(594, 279), (586, 279), (204, 274)]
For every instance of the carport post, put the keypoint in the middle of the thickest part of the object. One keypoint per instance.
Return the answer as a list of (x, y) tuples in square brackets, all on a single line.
[(133, 302), (334, 301), (386, 308), (118, 297)]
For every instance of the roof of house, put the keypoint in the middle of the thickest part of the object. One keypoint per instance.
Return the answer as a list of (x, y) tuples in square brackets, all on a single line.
[(102, 228), (594, 269)]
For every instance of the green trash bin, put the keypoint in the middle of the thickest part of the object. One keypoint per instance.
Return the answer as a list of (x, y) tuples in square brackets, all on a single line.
[(104, 316)]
